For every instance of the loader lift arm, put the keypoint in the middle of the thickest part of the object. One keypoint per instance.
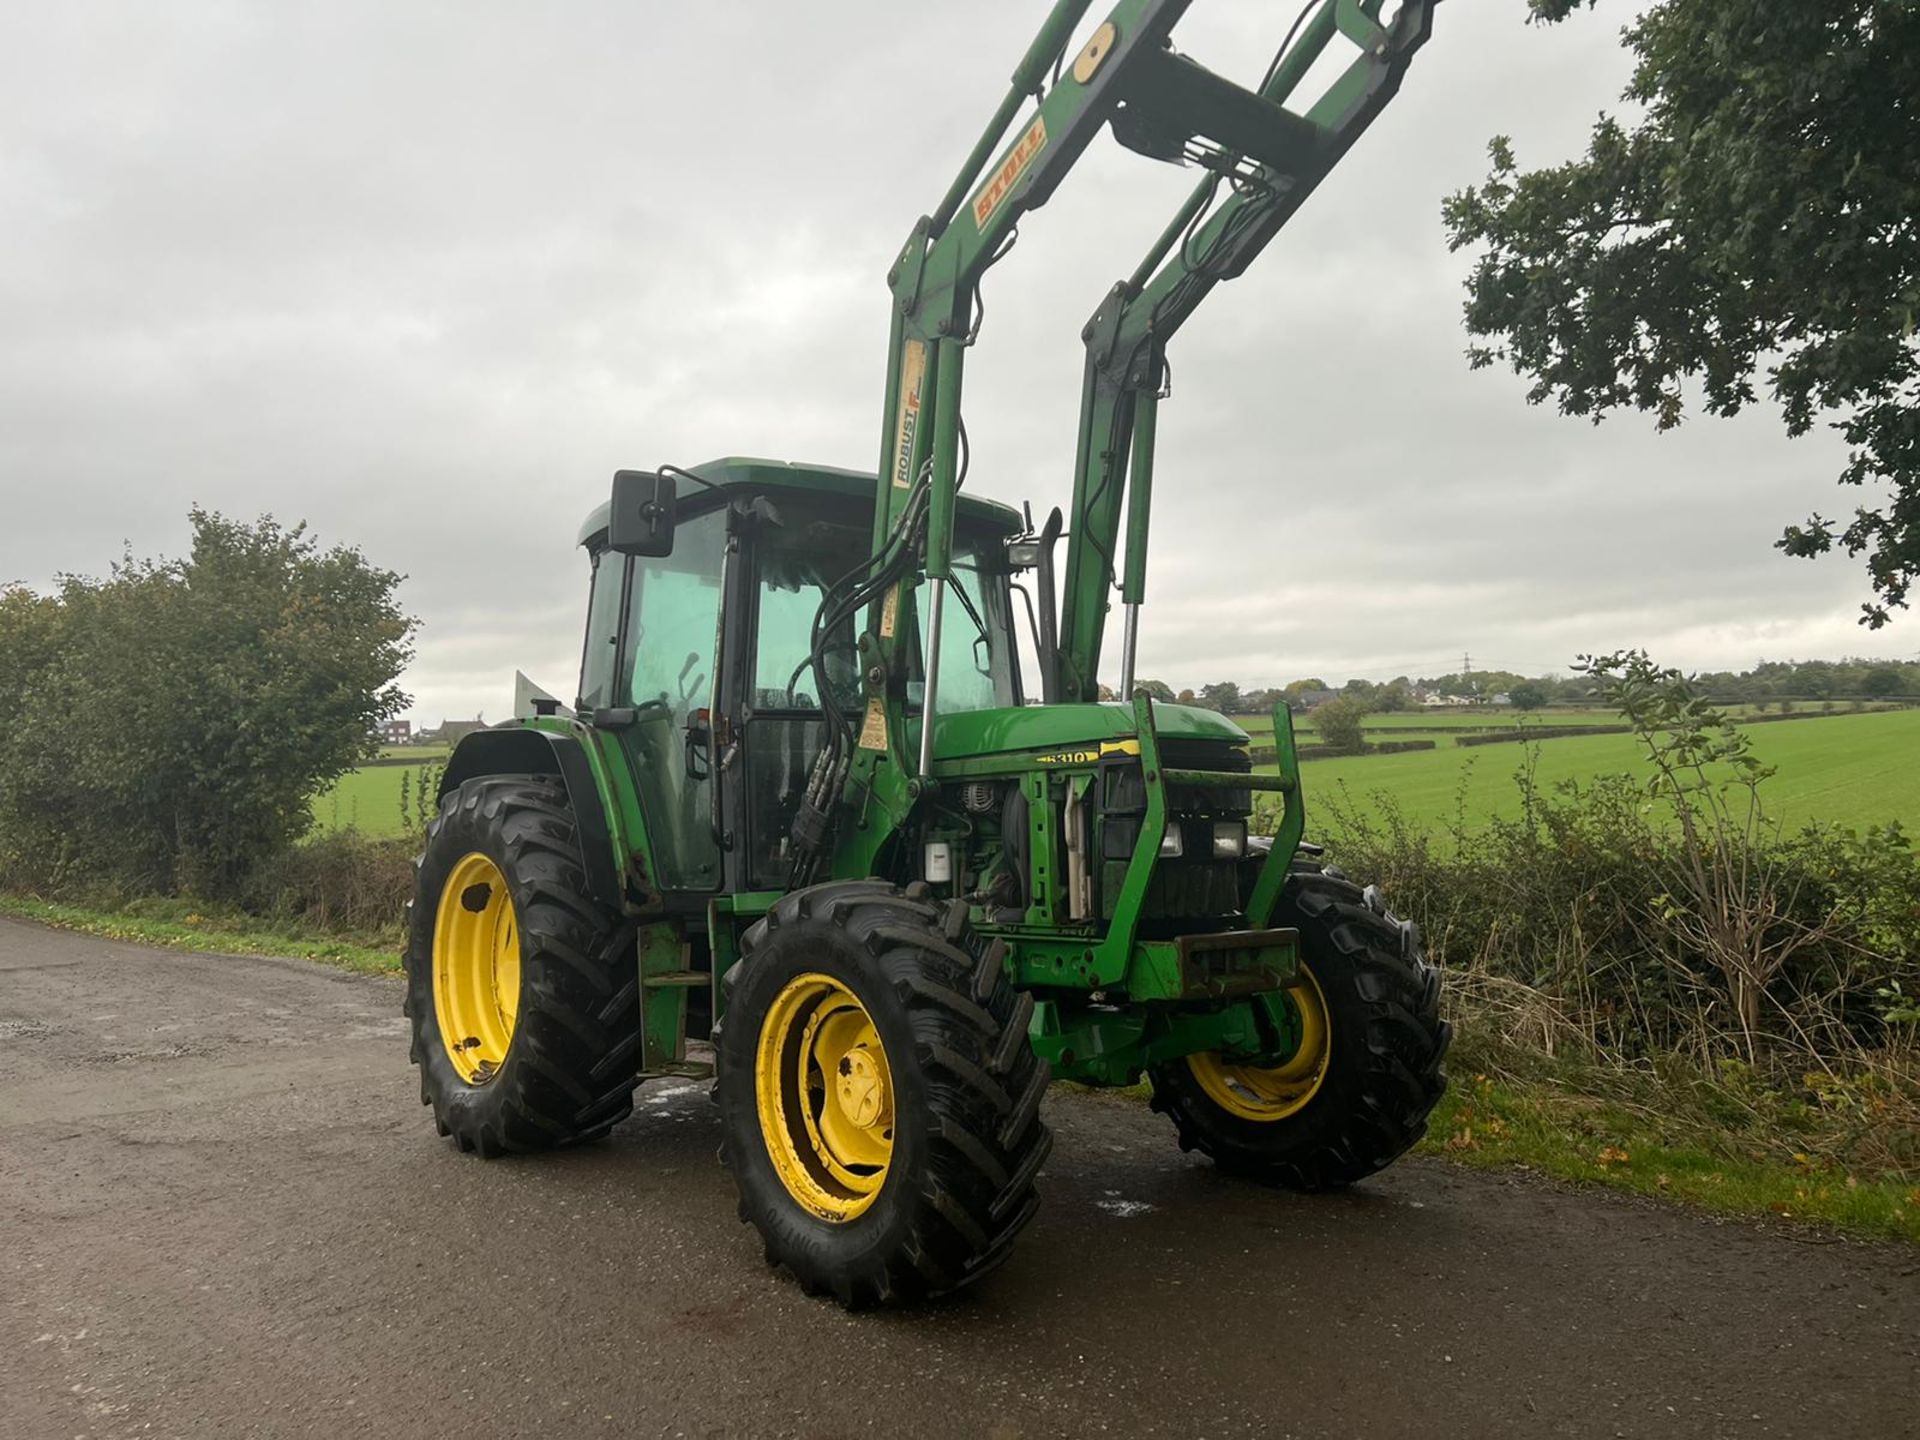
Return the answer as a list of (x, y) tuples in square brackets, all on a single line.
[(1126, 337), (1167, 107)]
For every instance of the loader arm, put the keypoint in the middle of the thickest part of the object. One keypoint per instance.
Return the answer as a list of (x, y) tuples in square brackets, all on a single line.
[(1266, 158), (1127, 336)]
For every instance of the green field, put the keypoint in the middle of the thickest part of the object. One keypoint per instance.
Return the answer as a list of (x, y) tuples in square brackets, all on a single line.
[(1854, 769), (368, 800)]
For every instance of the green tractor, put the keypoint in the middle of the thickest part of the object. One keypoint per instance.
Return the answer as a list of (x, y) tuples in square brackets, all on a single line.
[(805, 831)]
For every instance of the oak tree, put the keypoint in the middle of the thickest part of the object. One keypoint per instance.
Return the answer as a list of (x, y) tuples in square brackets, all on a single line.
[(1754, 227)]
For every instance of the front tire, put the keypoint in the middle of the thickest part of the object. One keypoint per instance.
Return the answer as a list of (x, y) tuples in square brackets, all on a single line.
[(1369, 1069), (522, 990), (879, 1099)]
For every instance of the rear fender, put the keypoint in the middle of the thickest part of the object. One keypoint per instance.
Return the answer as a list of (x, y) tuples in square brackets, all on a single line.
[(524, 750)]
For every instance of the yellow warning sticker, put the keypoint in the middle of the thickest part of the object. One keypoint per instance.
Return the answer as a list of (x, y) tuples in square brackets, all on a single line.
[(993, 194), (873, 732), (890, 613)]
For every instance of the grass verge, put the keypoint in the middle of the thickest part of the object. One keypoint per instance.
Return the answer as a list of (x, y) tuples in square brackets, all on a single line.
[(1556, 1128), (194, 925), (1640, 1139)]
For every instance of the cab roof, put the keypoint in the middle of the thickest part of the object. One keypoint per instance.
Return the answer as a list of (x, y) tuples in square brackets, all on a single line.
[(746, 473)]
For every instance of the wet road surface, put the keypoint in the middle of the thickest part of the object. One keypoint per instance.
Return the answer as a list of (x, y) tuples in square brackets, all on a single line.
[(224, 1213)]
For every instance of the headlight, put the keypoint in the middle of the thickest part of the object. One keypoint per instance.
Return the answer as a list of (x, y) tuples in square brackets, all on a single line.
[(1229, 839), (1171, 845)]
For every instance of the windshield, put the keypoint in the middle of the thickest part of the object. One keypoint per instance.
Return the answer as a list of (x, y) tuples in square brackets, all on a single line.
[(798, 562), (978, 667)]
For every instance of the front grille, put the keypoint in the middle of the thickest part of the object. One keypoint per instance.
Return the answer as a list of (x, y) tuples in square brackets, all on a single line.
[(1123, 790), (1195, 886), (1183, 754)]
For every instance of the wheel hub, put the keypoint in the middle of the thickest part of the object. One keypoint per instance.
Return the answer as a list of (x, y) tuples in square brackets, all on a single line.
[(476, 967), (1273, 1092), (861, 1089), (825, 1097)]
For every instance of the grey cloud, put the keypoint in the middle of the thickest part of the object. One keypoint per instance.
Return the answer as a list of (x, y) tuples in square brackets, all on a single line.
[(426, 274)]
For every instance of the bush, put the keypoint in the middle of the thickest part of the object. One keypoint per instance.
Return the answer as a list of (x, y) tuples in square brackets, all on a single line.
[(1633, 919), (1579, 917), (171, 723), (343, 884), (1528, 695), (1340, 724)]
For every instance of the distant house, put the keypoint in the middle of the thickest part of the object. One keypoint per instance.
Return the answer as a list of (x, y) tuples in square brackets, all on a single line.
[(1311, 699), (396, 732), (1501, 699), (1434, 699)]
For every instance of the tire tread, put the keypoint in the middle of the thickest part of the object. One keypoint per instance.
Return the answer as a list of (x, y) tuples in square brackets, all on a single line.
[(568, 1076)]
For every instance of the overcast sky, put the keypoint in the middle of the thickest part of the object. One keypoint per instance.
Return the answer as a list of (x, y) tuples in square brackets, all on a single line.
[(425, 274)]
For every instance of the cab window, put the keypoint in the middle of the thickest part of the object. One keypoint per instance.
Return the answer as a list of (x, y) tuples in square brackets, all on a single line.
[(673, 621), (599, 661)]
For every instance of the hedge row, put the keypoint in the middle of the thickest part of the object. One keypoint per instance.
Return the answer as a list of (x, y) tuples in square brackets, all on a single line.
[(1543, 732), (1557, 732), (1266, 754)]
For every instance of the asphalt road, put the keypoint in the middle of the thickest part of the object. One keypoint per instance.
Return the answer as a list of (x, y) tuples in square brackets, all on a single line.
[(224, 1213)]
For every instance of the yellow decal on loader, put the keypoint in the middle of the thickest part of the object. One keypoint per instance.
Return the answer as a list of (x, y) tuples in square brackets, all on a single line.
[(991, 195), (890, 613), (906, 426)]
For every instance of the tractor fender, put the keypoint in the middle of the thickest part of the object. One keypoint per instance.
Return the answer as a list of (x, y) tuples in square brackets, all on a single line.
[(523, 750)]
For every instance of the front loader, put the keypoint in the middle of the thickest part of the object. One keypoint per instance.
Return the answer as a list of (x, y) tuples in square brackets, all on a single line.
[(805, 831)]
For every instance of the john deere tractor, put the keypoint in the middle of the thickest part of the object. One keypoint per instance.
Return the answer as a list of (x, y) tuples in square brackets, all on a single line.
[(806, 832)]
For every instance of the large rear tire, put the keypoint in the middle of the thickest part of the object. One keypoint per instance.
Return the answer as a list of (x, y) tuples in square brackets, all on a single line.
[(879, 1100), (1369, 1070), (522, 990)]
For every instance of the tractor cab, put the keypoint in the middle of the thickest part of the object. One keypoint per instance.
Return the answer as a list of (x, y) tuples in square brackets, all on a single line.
[(702, 658)]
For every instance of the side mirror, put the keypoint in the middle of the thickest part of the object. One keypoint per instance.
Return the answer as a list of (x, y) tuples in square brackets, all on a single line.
[(640, 517)]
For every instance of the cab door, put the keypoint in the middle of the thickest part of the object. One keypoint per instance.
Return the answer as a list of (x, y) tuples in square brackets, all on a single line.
[(667, 691), (794, 556)]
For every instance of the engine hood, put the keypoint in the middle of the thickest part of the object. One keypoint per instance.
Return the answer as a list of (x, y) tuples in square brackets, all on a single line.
[(971, 733)]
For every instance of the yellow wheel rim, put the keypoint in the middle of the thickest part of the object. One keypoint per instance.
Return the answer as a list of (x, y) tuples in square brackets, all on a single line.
[(476, 968), (825, 1095), (1275, 1092)]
